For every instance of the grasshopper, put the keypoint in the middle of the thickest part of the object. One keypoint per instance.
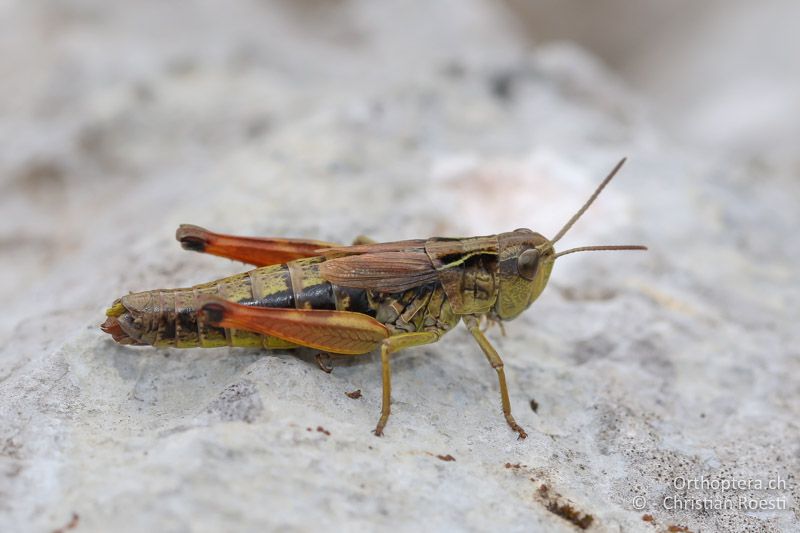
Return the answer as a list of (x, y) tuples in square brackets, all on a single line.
[(353, 299)]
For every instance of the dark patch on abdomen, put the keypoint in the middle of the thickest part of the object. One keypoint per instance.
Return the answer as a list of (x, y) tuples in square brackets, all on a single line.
[(282, 300), (187, 320), (167, 327), (318, 296), (351, 299)]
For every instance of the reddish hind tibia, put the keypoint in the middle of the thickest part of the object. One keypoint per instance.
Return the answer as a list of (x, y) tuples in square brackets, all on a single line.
[(253, 250)]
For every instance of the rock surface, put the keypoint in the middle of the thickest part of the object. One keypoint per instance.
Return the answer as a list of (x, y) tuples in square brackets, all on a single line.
[(337, 119)]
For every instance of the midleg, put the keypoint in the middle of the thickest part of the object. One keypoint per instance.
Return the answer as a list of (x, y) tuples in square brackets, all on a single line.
[(389, 346), (497, 363)]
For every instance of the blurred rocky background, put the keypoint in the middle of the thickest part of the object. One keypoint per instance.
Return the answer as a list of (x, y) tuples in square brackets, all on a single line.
[(328, 119)]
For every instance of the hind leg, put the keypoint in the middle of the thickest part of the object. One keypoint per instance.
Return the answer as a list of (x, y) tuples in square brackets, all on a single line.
[(256, 251)]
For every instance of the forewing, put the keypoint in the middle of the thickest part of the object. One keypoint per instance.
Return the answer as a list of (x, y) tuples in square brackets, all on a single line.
[(412, 245), (380, 271)]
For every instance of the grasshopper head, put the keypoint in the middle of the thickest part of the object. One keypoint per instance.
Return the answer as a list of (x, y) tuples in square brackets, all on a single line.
[(525, 262), (526, 259)]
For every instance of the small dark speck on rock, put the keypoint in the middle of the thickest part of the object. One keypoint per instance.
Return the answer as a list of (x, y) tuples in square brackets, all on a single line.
[(534, 406), (72, 524), (446, 458), (355, 395), (321, 429), (569, 513), (501, 85)]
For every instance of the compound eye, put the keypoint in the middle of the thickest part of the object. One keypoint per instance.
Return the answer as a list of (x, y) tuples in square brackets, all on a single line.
[(528, 264)]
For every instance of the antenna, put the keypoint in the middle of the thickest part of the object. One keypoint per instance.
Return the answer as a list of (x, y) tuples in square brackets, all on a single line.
[(591, 199), (602, 247)]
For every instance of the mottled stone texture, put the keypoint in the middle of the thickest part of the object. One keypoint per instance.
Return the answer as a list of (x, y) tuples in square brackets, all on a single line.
[(333, 119)]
